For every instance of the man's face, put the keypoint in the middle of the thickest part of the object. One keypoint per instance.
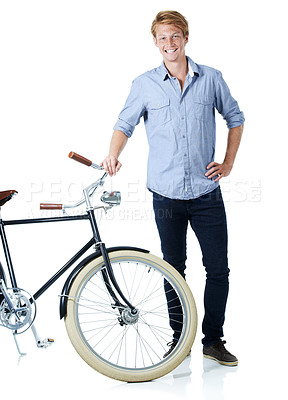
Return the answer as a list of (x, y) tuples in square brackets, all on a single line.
[(171, 42)]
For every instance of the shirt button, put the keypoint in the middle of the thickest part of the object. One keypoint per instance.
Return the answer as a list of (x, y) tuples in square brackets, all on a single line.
[(182, 117), (184, 136), (185, 155)]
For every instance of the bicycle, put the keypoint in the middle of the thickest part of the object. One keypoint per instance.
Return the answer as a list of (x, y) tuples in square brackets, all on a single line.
[(113, 301)]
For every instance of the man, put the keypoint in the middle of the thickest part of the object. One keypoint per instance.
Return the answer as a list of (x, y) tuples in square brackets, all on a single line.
[(177, 101)]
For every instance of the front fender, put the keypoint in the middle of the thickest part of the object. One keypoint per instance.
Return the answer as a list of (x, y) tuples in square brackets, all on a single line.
[(69, 280)]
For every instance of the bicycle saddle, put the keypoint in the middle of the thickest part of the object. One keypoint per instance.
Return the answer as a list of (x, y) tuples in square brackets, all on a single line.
[(6, 195)]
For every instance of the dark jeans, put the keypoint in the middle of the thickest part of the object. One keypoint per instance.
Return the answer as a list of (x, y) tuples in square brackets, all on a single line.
[(207, 218)]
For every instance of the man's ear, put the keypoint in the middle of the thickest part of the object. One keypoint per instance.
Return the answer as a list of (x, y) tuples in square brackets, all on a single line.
[(186, 39), (155, 41)]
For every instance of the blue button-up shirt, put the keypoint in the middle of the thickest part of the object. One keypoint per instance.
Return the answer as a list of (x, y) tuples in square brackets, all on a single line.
[(180, 126)]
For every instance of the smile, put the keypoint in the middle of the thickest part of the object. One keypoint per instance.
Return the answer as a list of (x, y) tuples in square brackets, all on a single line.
[(170, 51)]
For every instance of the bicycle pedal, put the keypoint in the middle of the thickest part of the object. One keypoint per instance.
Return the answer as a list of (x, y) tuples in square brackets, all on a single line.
[(43, 344)]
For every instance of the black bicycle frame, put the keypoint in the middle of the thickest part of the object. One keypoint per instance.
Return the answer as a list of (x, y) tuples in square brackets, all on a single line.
[(96, 240)]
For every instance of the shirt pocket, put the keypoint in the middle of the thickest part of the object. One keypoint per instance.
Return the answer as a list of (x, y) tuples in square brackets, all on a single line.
[(159, 112), (203, 108)]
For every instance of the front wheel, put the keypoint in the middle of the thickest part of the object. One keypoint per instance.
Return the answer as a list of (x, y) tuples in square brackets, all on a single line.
[(125, 346)]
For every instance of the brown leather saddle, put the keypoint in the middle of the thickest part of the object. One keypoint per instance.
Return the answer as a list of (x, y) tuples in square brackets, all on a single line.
[(6, 196)]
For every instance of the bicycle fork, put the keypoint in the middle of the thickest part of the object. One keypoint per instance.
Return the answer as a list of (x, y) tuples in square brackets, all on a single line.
[(109, 268)]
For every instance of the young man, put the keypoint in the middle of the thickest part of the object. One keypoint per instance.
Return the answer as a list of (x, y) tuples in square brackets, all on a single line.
[(177, 101)]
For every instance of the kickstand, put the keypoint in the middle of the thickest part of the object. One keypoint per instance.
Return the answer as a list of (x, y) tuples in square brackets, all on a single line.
[(41, 343), (17, 345)]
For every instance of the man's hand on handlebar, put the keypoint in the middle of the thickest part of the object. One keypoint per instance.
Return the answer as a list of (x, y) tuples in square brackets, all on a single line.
[(111, 165)]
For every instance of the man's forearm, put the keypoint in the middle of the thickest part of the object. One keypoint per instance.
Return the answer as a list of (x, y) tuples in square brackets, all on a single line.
[(217, 171), (117, 144), (111, 164), (234, 139)]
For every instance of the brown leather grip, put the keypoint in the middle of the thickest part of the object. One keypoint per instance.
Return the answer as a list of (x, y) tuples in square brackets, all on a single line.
[(80, 159), (50, 206)]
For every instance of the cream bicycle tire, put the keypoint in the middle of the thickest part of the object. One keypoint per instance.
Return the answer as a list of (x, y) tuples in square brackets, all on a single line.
[(75, 318)]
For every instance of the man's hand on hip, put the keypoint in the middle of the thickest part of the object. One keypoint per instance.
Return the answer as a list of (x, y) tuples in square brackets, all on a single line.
[(218, 170)]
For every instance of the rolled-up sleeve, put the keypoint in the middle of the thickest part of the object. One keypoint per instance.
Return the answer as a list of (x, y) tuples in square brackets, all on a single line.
[(132, 111), (226, 105)]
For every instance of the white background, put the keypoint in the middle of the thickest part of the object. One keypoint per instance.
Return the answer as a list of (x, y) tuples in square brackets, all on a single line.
[(65, 71)]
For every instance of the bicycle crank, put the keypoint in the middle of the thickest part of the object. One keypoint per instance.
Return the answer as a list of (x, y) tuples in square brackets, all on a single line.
[(17, 310)]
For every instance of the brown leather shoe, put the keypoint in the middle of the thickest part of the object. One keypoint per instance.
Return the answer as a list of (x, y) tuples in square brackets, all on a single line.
[(219, 353)]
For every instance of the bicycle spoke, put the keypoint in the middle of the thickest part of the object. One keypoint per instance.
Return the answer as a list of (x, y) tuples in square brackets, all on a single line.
[(140, 279), (103, 336), (98, 311), (159, 331), (148, 346)]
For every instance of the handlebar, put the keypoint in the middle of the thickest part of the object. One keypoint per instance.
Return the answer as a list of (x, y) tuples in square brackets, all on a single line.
[(51, 206), (80, 159), (88, 192), (83, 160)]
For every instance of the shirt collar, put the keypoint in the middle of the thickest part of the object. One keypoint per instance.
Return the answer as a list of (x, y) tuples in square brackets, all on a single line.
[(192, 69)]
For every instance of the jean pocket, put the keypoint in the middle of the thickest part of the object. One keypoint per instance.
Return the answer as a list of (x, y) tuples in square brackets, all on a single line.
[(159, 197), (203, 108), (214, 196)]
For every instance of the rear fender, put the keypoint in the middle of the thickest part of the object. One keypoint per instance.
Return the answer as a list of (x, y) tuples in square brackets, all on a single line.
[(77, 269)]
